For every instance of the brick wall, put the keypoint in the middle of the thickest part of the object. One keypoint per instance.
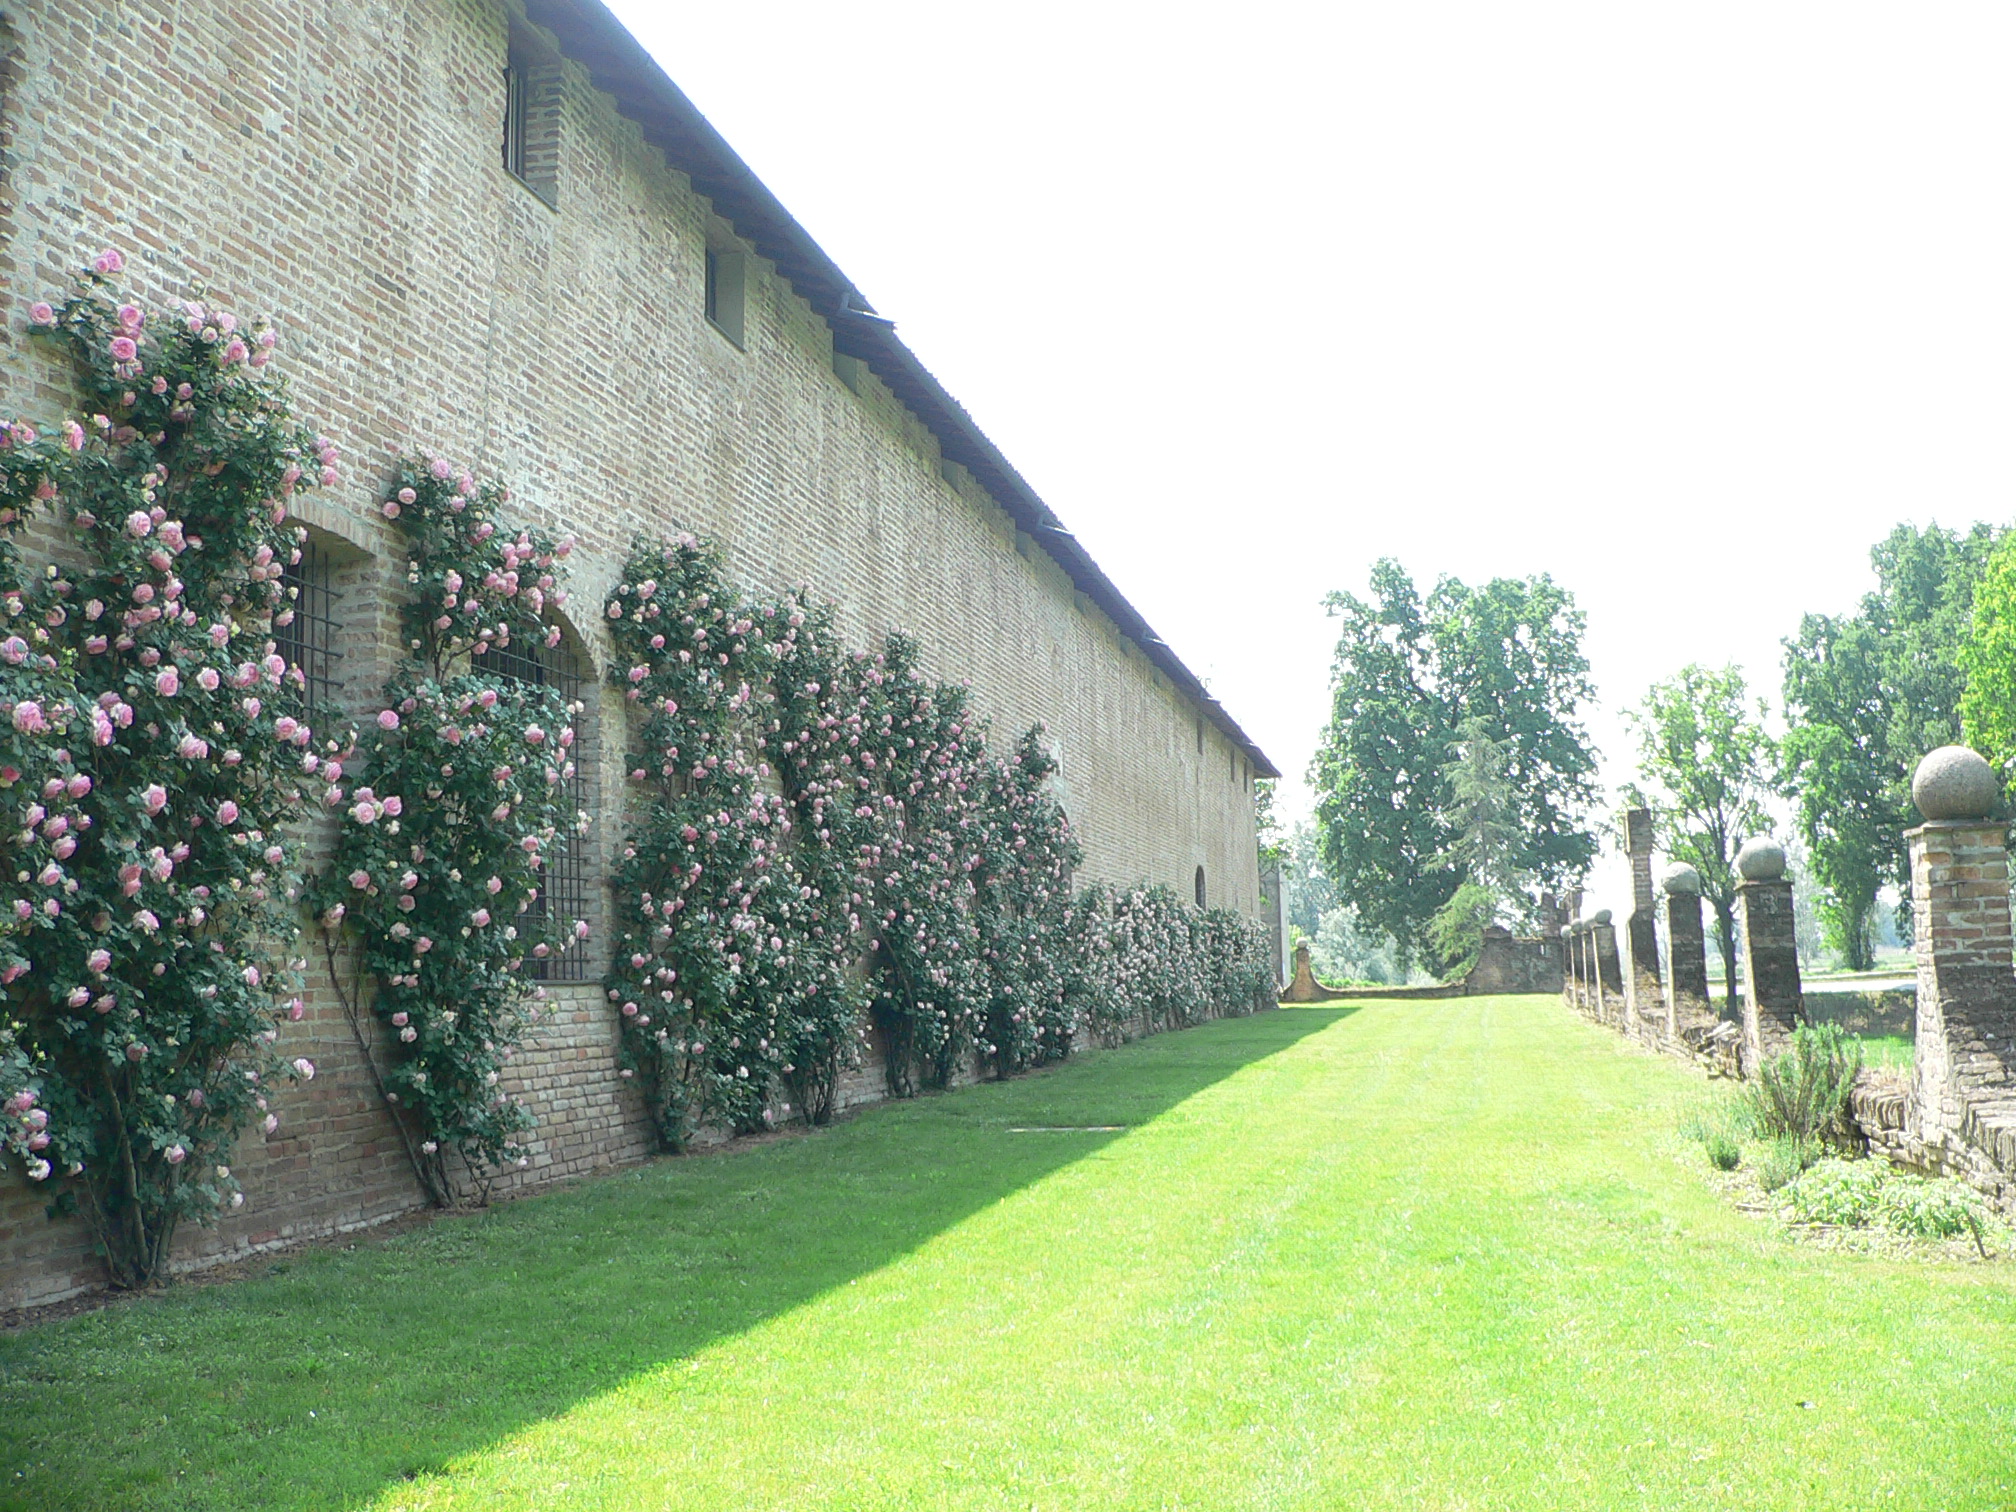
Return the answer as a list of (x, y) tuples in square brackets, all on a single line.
[(336, 165)]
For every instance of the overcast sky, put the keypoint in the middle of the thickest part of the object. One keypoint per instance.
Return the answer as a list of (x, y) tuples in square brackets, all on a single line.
[(1683, 305)]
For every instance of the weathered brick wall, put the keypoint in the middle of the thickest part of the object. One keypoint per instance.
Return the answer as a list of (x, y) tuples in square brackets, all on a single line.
[(335, 165)]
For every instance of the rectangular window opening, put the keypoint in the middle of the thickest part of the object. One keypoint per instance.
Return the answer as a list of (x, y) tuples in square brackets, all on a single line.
[(723, 293), (563, 889), (310, 639), (531, 146)]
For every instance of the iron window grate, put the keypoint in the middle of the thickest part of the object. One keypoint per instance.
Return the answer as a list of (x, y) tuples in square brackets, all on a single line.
[(563, 891), (309, 640)]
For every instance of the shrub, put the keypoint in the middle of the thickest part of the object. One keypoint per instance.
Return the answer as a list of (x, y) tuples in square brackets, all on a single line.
[(1724, 1153), (1801, 1093), (1928, 1209), (149, 749), (1843, 1192), (438, 854), (1785, 1157)]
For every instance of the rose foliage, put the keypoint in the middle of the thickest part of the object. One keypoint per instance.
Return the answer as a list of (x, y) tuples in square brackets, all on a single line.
[(822, 841), (460, 797), (150, 743)]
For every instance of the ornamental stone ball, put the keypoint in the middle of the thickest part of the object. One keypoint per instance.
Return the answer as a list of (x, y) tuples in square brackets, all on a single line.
[(1601, 916), (1954, 782), (1680, 878), (1761, 860)]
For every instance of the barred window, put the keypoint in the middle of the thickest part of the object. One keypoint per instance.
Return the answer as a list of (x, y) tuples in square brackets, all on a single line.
[(563, 890), (309, 640)]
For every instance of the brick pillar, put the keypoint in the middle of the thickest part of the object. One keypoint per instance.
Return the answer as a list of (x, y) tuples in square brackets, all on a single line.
[(1606, 979), (1960, 907), (1686, 951), (1767, 944), (1644, 1007)]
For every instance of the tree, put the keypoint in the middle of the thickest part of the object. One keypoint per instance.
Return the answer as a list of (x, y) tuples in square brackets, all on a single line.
[(1988, 658), (1866, 695), (1487, 839), (1707, 764), (1407, 674)]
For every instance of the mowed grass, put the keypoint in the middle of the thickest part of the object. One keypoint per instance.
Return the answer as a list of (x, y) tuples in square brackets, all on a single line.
[(1416, 1255)]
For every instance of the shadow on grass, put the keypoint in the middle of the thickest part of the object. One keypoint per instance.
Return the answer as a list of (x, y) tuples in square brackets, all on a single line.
[(343, 1372)]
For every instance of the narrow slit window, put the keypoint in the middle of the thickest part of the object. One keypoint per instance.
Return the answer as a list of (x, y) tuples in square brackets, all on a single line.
[(514, 116), (722, 292), (1200, 888), (310, 638), (563, 887), (531, 146)]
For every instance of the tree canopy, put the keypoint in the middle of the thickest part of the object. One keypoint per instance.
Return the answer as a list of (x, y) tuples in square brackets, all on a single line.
[(1708, 766), (1409, 673), (1867, 694)]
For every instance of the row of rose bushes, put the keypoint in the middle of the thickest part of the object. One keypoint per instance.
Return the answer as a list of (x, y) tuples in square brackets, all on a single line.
[(820, 841), (822, 844)]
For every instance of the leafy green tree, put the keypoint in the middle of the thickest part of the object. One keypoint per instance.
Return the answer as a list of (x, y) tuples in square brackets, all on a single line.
[(1308, 894), (1707, 764), (1867, 694), (1408, 672), (1487, 840), (1988, 658)]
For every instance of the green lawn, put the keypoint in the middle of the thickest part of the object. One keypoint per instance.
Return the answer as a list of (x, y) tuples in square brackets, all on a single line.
[(1418, 1255)]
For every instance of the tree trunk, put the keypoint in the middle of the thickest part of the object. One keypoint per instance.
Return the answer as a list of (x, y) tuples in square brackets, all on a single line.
[(1725, 939)]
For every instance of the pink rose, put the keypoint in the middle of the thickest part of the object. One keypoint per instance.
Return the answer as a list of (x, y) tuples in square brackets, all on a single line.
[(154, 797), (123, 349), (227, 812), (39, 313), (168, 682), (388, 719)]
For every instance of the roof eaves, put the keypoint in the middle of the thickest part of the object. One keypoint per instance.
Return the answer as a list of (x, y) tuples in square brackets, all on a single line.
[(617, 64)]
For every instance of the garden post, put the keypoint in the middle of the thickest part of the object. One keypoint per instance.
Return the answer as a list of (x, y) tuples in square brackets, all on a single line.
[(1686, 951), (1643, 1009), (1960, 908), (1767, 945), (1607, 977)]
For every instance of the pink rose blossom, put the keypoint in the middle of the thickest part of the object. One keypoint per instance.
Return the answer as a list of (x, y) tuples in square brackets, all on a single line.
[(108, 262), (154, 797), (305, 1069), (388, 719), (168, 682), (40, 313)]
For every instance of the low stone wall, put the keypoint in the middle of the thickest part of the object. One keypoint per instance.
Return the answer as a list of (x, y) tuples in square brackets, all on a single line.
[(1508, 963)]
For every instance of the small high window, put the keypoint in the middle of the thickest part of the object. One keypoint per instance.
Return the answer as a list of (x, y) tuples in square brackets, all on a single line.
[(725, 280), (531, 122), (1200, 888)]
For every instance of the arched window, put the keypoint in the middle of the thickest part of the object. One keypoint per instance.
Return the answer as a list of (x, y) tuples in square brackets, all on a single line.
[(1200, 888), (563, 891)]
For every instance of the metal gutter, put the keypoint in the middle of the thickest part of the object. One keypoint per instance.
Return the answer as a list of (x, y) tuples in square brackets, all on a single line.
[(589, 34)]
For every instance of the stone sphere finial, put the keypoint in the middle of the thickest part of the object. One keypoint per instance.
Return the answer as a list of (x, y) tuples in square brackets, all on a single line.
[(1680, 878), (1761, 860), (1601, 916), (1954, 782)]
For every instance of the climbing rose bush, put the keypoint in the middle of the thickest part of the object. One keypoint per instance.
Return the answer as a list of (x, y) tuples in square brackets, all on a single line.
[(731, 973), (149, 767), (816, 831), (458, 796)]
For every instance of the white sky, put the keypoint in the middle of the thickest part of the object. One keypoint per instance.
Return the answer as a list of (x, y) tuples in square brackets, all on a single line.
[(1684, 305)]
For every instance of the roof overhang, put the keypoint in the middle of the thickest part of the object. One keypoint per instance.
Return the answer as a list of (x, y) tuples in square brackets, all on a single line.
[(589, 33)]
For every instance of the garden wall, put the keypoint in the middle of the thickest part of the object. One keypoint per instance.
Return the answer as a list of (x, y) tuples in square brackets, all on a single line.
[(337, 167)]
